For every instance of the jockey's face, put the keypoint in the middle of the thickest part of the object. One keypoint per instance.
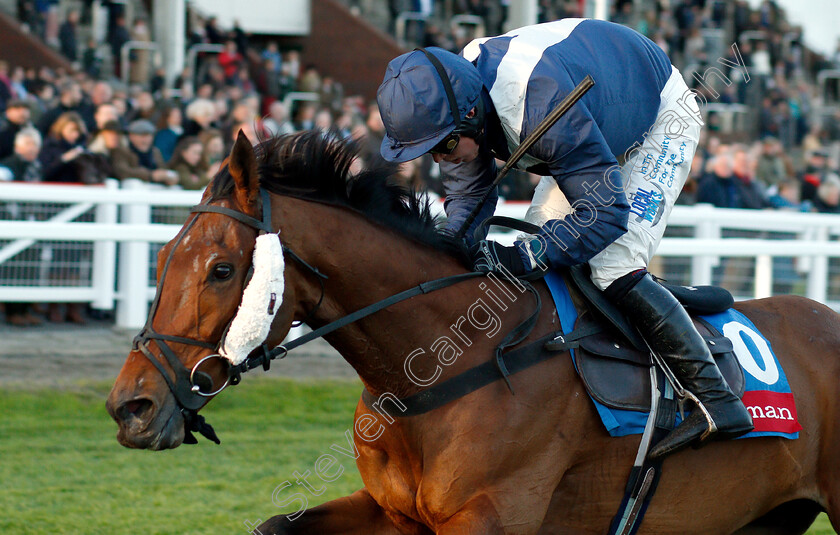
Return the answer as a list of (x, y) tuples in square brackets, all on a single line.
[(466, 151)]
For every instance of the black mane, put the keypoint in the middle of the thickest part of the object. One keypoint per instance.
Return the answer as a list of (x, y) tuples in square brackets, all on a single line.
[(311, 166)]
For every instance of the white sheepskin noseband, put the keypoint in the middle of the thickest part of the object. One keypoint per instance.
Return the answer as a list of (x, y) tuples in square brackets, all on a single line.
[(260, 301)]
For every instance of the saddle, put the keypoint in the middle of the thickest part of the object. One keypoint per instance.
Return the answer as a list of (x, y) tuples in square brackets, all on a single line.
[(614, 363)]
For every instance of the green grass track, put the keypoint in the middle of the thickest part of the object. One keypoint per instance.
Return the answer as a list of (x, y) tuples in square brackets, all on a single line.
[(63, 472)]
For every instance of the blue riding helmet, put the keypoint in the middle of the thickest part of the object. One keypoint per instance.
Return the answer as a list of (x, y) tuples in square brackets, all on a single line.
[(414, 103)]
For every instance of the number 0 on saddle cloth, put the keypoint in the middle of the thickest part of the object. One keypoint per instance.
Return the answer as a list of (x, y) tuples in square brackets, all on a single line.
[(767, 394)]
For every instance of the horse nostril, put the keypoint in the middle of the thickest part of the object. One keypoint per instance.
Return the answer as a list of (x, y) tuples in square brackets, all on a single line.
[(134, 409)]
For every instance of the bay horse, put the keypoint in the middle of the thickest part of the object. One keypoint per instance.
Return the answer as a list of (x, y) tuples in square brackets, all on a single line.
[(534, 462)]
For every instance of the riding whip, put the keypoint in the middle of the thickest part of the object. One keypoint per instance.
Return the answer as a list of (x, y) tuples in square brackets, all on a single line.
[(559, 111)]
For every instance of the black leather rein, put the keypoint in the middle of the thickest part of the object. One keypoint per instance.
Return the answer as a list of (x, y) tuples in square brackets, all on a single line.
[(187, 384)]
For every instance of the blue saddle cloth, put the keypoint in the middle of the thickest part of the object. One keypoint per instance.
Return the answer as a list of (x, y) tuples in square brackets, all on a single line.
[(767, 395)]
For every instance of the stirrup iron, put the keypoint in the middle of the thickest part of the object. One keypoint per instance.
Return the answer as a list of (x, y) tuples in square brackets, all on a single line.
[(684, 395)]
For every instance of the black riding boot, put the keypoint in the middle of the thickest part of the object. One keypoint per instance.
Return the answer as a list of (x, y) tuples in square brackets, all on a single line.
[(668, 329)]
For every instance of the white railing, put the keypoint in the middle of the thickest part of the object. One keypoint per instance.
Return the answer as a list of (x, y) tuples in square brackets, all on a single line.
[(119, 279), (120, 237)]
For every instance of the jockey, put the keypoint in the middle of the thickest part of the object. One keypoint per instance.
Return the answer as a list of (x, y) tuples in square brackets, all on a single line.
[(612, 166)]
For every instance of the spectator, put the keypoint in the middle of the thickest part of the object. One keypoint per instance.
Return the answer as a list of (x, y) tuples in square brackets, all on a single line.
[(140, 62), (67, 36), (63, 160), (240, 37), (272, 53), (101, 93), (169, 130), (69, 100), (242, 80), (305, 116), (230, 59), (688, 195), (92, 59), (828, 195), (331, 93), (63, 145), (16, 118), (373, 140), (812, 176), (104, 114), (323, 120), (29, 17), (787, 197), (268, 82), (201, 114), (118, 37), (310, 80), (242, 112), (187, 161), (717, 187), (213, 153), (17, 81), (773, 166), (288, 81), (212, 31), (144, 107), (813, 140), (695, 47), (277, 123), (291, 63), (23, 166), (751, 192), (106, 139), (157, 84), (139, 159), (6, 93)]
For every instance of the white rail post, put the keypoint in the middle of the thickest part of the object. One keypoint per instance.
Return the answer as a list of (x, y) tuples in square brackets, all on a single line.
[(133, 303), (104, 273), (763, 286), (818, 274), (707, 228)]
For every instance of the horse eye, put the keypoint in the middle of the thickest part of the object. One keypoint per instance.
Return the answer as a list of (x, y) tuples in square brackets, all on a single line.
[(222, 271)]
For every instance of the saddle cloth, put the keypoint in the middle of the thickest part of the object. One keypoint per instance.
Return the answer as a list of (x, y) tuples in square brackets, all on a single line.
[(617, 377)]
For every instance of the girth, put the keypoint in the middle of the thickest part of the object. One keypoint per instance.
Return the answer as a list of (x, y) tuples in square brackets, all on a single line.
[(482, 375)]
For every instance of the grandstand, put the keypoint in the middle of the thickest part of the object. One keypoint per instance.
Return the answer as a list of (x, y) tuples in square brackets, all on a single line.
[(772, 141)]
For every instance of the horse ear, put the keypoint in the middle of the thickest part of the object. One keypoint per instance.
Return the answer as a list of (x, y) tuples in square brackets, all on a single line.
[(242, 165)]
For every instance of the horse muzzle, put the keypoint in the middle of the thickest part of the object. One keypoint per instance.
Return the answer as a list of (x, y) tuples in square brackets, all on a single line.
[(145, 423)]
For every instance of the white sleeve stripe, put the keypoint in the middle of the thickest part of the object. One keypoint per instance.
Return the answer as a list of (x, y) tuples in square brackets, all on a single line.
[(472, 50), (514, 71)]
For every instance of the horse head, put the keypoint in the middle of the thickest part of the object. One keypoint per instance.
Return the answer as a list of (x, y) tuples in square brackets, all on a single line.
[(174, 367), (370, 236)]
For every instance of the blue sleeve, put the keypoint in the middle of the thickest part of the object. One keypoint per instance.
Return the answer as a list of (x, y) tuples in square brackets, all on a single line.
[(587, 173), (464, 184)]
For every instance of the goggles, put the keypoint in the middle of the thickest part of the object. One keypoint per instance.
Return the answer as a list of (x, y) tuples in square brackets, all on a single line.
[(446, 145)]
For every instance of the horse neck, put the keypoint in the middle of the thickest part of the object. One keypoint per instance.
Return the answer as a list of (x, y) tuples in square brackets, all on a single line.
[(365, 263)]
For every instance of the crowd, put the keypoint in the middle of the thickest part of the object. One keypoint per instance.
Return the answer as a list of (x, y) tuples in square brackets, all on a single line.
[(784, 155), (79, 128), (82, 127)]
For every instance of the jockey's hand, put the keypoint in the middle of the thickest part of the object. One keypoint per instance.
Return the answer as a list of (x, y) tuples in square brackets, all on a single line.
[(520, 259), (488, 256)]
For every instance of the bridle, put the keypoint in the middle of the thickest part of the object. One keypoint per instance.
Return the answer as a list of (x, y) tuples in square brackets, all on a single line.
[(192, 387)]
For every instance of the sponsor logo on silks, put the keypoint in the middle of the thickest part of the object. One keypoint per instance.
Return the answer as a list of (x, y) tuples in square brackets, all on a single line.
[(648, 204)]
